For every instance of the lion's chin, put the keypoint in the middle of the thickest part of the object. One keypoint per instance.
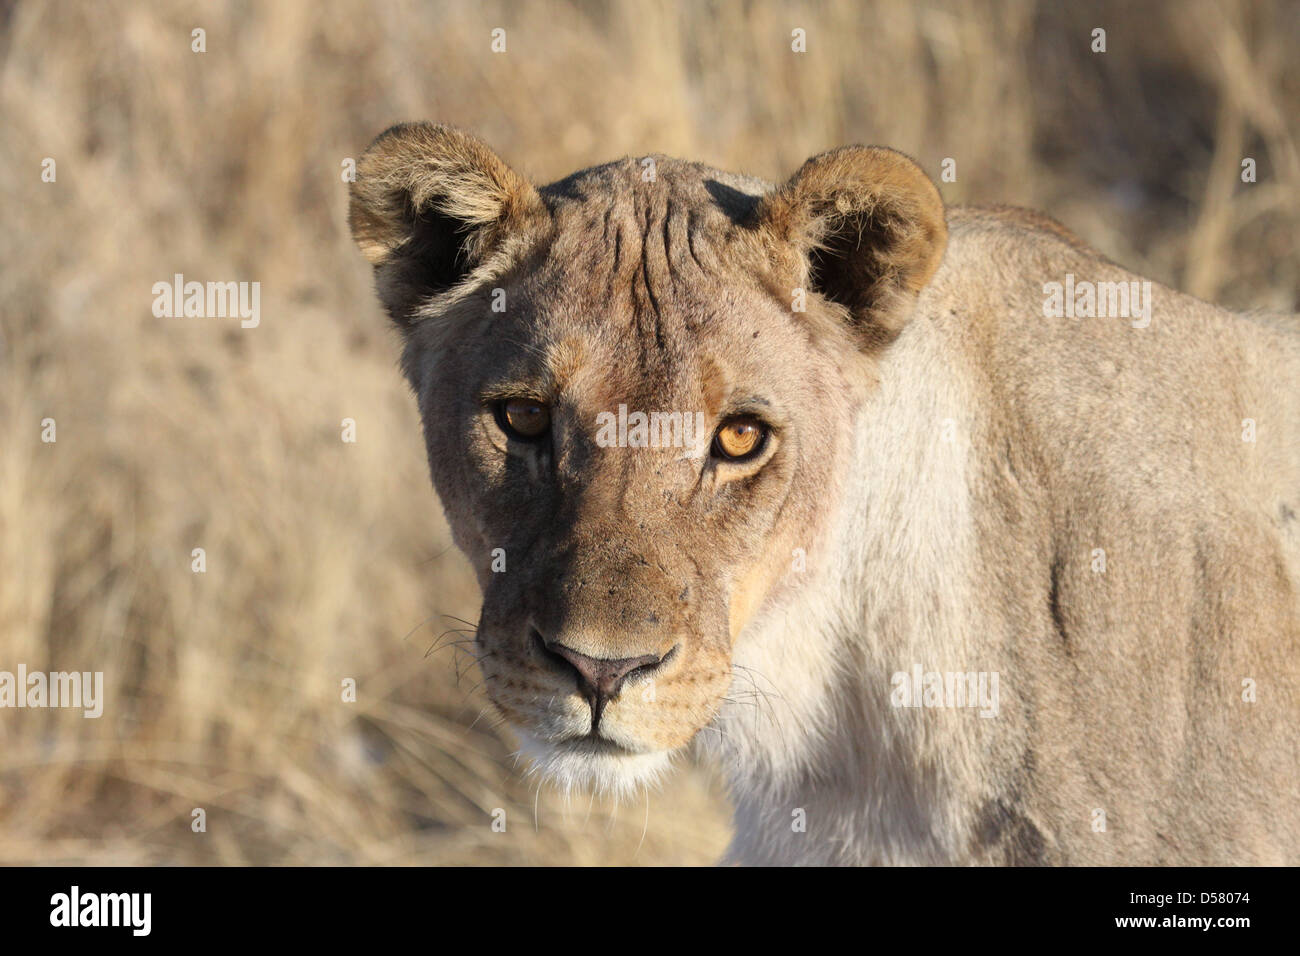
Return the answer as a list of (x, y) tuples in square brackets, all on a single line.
[(594, 766)]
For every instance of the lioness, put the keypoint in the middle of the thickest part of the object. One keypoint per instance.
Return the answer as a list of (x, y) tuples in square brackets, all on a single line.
[(960, 571)]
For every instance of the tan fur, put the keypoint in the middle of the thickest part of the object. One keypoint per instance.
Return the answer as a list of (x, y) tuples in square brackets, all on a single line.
[(944, 465)]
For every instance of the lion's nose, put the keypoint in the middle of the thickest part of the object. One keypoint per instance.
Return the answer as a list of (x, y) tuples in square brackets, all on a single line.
[(599, 679)]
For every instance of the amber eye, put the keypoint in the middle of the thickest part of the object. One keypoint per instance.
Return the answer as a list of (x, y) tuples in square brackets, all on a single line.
[(739, 439), (523, 418)]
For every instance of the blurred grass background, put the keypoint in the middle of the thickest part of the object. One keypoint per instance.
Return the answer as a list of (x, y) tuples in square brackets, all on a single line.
[(328, 560)]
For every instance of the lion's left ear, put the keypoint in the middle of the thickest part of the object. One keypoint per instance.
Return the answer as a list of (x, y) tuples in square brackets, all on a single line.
[(867, 227)]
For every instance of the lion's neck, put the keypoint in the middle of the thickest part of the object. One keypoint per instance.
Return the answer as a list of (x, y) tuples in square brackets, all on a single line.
[(811, 728)]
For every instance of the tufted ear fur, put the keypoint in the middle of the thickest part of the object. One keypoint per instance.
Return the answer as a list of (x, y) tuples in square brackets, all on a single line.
[(867, 228), (430, 205)]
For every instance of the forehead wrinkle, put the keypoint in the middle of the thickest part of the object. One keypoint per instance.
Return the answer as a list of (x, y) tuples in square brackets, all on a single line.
[(695, 240), (645, 263)]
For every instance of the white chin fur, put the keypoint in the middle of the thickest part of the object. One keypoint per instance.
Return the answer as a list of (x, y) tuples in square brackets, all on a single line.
[(579, 766)]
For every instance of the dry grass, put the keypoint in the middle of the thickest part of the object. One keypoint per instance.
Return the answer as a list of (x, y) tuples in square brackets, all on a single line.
[(329, 560)]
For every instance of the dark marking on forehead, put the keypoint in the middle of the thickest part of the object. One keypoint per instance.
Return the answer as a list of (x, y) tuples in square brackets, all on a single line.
[(738, 206)]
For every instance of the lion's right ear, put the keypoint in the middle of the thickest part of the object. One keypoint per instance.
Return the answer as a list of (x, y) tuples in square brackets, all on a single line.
[(430, 204)]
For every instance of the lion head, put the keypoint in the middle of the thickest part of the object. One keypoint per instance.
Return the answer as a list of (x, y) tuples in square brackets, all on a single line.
[(636, 386)]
